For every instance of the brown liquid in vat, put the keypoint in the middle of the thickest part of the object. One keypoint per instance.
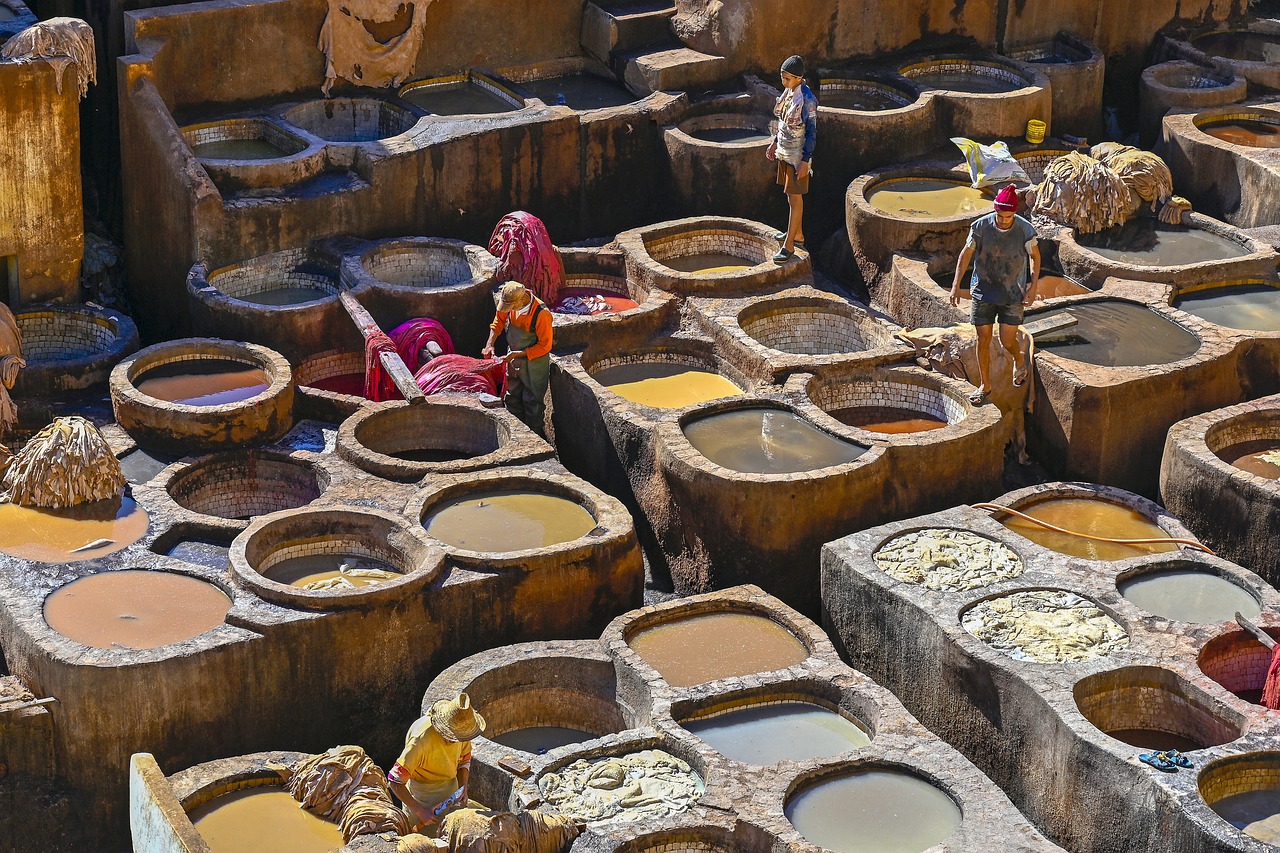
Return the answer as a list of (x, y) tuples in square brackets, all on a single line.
[(300, 571), (888, 420), (263, 820), (665, 386), (1255, 813), (508, 521), (1094, 517), (203, 382), (1052, 285), (705, 648), (56, 535), (135, 609), (1255, 134), (1245, 457), (921, 198), (708, 263), (768, 441)]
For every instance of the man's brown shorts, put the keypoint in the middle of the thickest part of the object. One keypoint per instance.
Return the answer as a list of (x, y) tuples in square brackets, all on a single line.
[(791, 185)]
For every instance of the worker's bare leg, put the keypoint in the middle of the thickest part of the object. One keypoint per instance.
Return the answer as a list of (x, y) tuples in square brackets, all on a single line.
[(984, 356)]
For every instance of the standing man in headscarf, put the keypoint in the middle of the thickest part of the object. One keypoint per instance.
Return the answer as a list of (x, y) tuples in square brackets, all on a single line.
[(1001, 245), (797, 133), (436, 762), (527, 322)]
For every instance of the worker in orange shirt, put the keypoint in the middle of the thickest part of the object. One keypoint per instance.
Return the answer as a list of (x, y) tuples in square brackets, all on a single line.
[(527, 321)]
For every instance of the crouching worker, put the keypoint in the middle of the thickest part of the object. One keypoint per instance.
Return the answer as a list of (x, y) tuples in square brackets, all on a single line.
[(436, 762), (527, 322)]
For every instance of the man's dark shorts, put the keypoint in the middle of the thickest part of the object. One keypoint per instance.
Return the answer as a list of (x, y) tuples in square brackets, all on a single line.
[(985, 313)]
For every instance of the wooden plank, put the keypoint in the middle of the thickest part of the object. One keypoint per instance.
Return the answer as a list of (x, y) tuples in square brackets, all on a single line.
[(391, 361), (1261, 635), (1047, 326)]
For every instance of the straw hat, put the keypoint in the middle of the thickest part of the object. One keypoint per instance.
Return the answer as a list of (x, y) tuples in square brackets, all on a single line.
[(456, 720), (511, 296)]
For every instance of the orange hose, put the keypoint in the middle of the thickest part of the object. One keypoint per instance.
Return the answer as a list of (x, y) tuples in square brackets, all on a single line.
[(1191, 543)]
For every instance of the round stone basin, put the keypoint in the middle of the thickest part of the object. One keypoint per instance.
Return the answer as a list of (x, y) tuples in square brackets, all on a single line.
[(539, 740), (928, 198), (1252, 307), (246, 484), (1146, 242), (729, 129), (708, 647), (1154, 709), (942, 558), (708, 263), (333, 371), (1189, 595), (767, 441), (782, 731), (263, 819), (351, 119), (135, 609), (241, 139), (501, 521), (70, 535), (1093, 517), (665, 385), (419, 266), (874, 811), (338, 570), (203, 382), (580, 91), (267, 283), (1241, 45), (1045, 626), (1244, 790), (1112, 333), (1252, 130), (1260, 457), (458, 98), (811, 328), (888, 419), (407, 442), (971, 77), (849, 93)]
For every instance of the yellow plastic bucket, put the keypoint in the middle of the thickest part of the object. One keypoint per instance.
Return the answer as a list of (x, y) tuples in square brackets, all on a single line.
[(1035, 131)]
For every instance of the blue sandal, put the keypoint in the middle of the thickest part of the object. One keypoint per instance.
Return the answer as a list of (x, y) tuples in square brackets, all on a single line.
[(1159, 761), (1177, 758)]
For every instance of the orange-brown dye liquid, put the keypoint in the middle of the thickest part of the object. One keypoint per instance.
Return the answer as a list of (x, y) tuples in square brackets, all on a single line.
[(1245, 457), (708, 263), (1051, 285), (135, 609), (204, 382), (64, 535), (1256, 134), (1094, 517), (263, 820), (509, 521), (888, 420), (665, 386), (717, 645), (927, 197)]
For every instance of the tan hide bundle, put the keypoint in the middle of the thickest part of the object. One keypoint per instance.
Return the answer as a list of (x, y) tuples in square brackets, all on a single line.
[(60, 42), (344, 785), (1082, 193), (68, 463), (1145, 174), (352, 52)]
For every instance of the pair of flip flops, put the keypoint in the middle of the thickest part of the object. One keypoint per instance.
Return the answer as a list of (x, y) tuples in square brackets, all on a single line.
[(782, 235), (1168, 761), (1020, 376)]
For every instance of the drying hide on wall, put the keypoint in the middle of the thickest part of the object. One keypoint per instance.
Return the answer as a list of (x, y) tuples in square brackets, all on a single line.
[(11, 361), (354, 54), (60, 42)]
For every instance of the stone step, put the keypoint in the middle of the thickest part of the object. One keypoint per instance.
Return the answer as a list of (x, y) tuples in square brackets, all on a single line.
[(622, 25), (668, 67)]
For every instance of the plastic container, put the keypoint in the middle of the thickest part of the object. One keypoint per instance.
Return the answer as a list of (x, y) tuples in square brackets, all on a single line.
[(1035, 131)]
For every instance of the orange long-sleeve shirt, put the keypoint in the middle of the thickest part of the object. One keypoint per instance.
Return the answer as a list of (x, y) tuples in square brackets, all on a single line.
[(522, 320)]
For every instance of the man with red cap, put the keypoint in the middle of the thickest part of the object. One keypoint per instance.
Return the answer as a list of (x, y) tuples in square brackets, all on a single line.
[(1001, 245)]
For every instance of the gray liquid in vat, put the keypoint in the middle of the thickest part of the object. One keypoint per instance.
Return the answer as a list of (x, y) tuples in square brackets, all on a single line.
[(876, 811), (767, 734), (1112, 333), (1252, 307), (1150, 243), (580, 91), (1256, 813), (238, 149), (286, 295), (735, 135), (536, 740), (963, 81), (870, 99), (768, 441), (457, 99), (1190, 596)]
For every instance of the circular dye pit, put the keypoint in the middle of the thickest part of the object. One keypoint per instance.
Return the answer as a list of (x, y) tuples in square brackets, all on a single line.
[(70, 535), (888, 419), (708, 263), (203, 382), (811, 327), (351, 119), (941, 558), (1147, 242), (244, 485), (965, 76), (333, 371), (729, 129), (419, 266), (1241, 45), (1238, 662), (263, 819), (1260, 457), (767, 441), (665, 385), (241, 139), (697, 649), (69, 346), (1112, 333), (1249, 132), (406, 442), (580, 91), (591, 301), (539, 740), (782, 731), (1152, 708), (1252, 307), (874, 811), (928, 198), (458, 98), (501, 521), (1244, 791), (1188, 595), (863, 95), (1092, 517), (331, 571), (135, 609), (1045, 626), (266, 283)]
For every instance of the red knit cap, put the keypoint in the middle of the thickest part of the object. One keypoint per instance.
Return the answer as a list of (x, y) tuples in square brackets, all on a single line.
[(1007, 198)]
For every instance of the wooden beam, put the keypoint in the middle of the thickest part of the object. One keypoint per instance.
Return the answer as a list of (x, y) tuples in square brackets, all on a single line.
[(391, 361)]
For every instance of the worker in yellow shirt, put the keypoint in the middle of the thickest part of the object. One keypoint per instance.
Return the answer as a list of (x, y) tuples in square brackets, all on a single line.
[(527, 321), (436, 761)]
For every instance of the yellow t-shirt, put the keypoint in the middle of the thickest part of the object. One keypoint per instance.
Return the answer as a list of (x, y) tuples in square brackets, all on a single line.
[(428, 758)]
